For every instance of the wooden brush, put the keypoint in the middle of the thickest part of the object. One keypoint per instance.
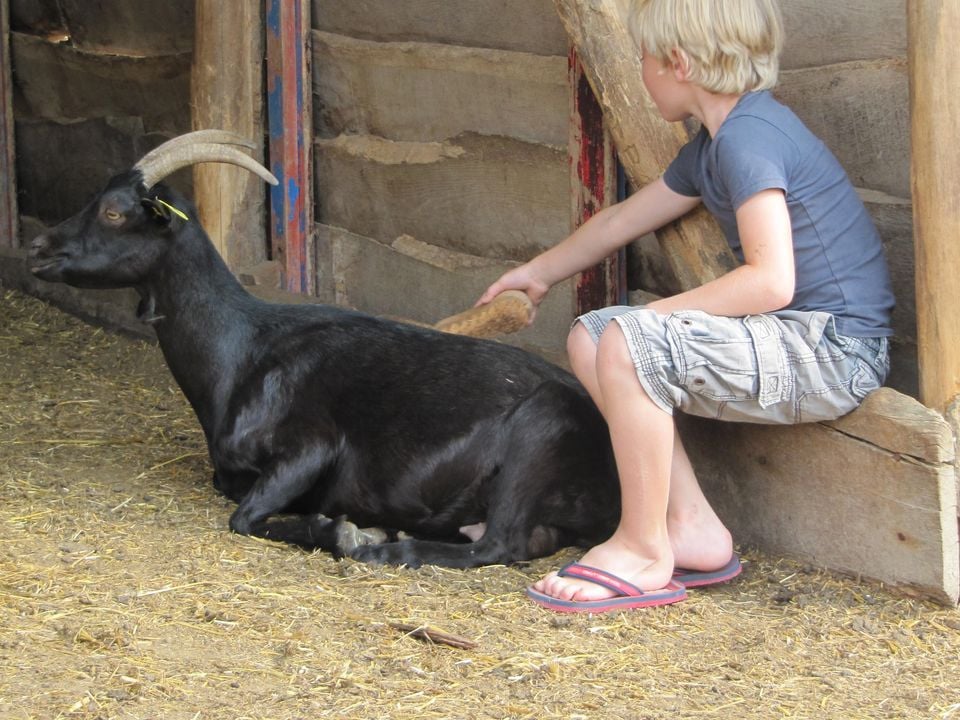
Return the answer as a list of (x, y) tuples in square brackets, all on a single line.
[(508, 312)]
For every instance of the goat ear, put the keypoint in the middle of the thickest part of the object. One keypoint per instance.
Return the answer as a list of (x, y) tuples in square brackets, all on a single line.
[(164, 210), (156, 211)]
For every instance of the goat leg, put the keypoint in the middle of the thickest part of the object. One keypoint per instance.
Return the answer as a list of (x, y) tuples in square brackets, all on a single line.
[(280, 484), (527, 515), (315, 531)]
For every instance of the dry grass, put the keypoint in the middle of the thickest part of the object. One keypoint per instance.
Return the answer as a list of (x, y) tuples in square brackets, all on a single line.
[(123, 595)]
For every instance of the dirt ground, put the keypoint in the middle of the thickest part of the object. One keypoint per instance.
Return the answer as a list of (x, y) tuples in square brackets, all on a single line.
[(123, 594)]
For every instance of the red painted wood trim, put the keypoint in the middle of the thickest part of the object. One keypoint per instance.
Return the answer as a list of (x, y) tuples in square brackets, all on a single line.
[(288, 117), (594, 187)]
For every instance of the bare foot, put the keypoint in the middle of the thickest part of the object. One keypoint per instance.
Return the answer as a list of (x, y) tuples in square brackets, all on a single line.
[(615, 557), (693, 545), (699, 543)]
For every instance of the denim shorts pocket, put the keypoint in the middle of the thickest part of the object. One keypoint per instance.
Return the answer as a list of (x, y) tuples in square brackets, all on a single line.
[(864, 380), (772, 366), (728, 359)]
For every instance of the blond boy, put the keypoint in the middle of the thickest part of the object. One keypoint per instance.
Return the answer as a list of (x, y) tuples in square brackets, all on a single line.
[(798, 332)]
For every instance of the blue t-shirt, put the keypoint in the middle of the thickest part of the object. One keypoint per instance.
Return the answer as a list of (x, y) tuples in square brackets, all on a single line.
[(838, 256)]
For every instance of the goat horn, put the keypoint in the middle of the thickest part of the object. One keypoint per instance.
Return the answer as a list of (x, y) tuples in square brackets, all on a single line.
[(169, 161), (197, 136)]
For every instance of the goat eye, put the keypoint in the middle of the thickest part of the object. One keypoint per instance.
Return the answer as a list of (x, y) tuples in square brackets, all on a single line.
[(112, 215)]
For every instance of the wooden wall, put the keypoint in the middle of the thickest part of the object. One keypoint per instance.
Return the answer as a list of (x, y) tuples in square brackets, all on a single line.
[(845, 74), (440, 146), (96, 84)]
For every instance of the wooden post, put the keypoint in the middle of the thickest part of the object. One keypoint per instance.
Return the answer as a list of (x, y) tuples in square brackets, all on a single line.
[(935, 177), (646, 143), (288, 107), (594, 184), (226, 91), (8, 174)]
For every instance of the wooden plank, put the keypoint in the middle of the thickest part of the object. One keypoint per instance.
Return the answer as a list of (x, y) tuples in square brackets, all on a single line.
[(288, 109), (902, 425), (814, 492), (8, 173), (226, 93), (593, 180), (395, 89), (529, 26), (475, 194), (935, 129), (861, 111), (694, 246), (822, 33)]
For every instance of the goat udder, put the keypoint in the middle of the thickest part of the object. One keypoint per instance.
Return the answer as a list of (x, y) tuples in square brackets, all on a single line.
[(474, 532)]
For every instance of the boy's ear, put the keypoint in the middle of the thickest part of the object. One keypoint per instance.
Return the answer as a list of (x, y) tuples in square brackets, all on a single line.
[(680, 64)]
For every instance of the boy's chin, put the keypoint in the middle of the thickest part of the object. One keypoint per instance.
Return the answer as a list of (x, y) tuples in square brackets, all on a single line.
[(675, 116)]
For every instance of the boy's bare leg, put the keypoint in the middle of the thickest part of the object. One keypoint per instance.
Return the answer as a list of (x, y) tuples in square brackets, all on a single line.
[(665, 517)]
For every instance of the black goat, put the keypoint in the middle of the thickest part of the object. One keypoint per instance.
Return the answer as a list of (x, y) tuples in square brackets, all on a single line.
[(314, 412)]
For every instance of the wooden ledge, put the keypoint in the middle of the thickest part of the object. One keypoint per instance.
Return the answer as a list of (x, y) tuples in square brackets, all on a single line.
[(900, 424)]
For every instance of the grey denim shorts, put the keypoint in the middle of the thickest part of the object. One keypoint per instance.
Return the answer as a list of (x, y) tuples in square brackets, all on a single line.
[(778, 368)]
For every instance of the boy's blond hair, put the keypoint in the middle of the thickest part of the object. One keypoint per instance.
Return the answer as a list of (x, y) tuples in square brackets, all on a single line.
[(730, 46)]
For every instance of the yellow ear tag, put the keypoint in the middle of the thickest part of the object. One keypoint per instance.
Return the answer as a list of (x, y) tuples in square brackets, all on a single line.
[(179, 213)]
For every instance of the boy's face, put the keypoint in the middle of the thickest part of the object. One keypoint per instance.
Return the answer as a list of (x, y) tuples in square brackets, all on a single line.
[(669, 94)]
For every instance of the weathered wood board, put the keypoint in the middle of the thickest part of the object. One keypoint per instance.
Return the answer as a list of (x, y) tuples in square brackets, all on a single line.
[(873, 494), (140, 28), (523, 25), (8, 186), (57, 81), (861, 110), (60, 166), (395, 90), (227, 93), (935, 130), (487, 196), (822, 33)]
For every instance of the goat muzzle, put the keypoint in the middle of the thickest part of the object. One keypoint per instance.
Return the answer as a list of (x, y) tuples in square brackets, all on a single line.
[(40, 260)]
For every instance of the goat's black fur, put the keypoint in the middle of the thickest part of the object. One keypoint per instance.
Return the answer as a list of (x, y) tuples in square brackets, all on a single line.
[(313, 412)]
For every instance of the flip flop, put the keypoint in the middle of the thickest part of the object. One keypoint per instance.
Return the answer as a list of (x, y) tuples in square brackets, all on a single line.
[(697, 578), (629, 596)]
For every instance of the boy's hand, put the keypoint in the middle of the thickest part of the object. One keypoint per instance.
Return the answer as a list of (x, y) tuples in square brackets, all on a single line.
[(518, 279)]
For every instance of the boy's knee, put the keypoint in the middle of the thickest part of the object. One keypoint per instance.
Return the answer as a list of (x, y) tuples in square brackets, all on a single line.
[(579, 343), (613, 355)]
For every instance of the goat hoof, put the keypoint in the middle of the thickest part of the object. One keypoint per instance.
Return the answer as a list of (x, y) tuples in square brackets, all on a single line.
[(392, 553), (349, 537), (240, 525)]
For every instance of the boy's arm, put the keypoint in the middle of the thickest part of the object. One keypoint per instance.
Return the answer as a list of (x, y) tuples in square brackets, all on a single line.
[(765, 282), (649, 208)]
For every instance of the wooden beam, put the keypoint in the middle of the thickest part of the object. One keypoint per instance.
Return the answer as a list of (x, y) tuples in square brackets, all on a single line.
[(935, 180), (593, 176), (8, 168), (288, 107), (226, 92), (645, 142)]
